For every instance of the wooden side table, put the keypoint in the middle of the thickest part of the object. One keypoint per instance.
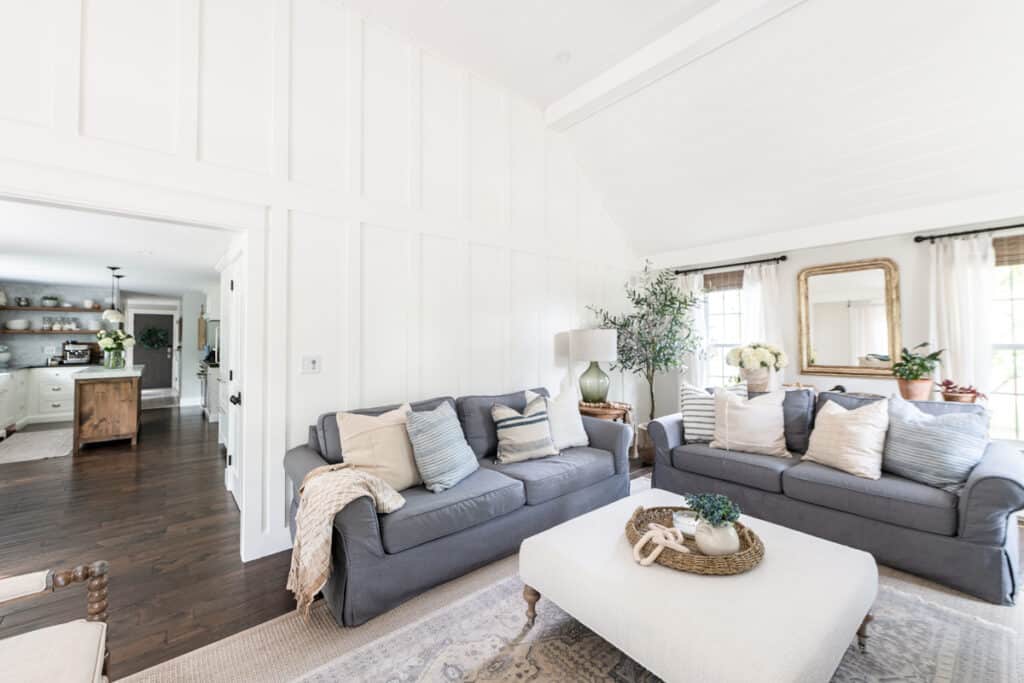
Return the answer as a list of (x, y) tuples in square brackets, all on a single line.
[(616, 412)]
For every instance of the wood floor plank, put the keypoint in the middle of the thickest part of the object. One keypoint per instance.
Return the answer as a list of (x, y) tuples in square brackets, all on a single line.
[(161, 517)]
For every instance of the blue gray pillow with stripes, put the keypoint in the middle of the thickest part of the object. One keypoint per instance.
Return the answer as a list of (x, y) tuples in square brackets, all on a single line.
[(938, 450), (525, 435), (439, 447)]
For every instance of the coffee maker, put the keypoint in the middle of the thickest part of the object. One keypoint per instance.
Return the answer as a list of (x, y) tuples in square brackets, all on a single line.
[(76, 354)]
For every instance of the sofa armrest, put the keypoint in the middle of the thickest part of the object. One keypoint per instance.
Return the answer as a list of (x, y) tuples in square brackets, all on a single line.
[(359, 528), (666, 433), (993, 492), (300, 461), (614, 437)]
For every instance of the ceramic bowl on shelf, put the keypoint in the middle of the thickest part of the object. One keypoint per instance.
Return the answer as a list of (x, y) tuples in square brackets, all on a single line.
[(49, 301), (17, 325)]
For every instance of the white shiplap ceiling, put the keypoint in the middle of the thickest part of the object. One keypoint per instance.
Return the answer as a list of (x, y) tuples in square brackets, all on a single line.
[(517, 43), (831, 111), (55, 245)]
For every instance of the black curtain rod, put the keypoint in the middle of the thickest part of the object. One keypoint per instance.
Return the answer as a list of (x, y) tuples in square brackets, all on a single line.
[(774, 259), (932, 238)]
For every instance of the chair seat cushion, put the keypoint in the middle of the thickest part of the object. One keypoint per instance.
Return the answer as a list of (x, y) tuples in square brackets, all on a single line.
[(69, 653), (749, 469), (548, 478), (427, 516), (889, 499)]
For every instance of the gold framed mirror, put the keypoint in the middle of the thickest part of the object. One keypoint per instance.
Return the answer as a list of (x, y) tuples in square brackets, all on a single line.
[(849, 318)]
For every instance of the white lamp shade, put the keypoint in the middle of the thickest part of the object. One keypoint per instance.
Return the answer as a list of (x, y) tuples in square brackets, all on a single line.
[(596, 344)]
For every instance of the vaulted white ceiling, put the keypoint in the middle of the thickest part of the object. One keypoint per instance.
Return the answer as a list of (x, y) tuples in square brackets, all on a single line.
[(55, 245), (735, 127), (539, 48), (831, 111)]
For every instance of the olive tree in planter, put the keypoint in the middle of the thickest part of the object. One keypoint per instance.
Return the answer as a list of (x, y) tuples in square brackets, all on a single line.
[(659, 330)]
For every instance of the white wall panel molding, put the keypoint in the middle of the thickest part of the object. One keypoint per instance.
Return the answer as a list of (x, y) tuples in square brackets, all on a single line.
[(396, 207), (131, 72), (28, 56)]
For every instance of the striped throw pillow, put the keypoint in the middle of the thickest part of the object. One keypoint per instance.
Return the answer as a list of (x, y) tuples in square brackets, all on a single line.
[(525, 435), (439, 447), (698, 408), (938, 450)]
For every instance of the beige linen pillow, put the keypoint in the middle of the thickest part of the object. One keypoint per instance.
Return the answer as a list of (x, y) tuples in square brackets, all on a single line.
[(756, 425), (850, 440), (379, 444)]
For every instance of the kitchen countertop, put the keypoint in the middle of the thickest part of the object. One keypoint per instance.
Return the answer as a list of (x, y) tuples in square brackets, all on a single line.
[(43, 366), (100, 372)]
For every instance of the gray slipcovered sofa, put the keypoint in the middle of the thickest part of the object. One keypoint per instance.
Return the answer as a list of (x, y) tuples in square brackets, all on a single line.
[(379, 561), (967, 540)]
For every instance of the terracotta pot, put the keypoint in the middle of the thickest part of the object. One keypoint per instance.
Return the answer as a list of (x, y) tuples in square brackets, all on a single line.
[(915, 389), (954, 397)]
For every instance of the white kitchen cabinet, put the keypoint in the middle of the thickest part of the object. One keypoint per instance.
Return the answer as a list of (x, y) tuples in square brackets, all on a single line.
[(14, 399), (212, 399), (51, 393)]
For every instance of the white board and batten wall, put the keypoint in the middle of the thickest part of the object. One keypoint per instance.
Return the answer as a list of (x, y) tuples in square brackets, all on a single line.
[(411, 224)]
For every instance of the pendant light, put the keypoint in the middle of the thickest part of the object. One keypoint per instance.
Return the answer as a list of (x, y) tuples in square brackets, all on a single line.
[(113, 314)]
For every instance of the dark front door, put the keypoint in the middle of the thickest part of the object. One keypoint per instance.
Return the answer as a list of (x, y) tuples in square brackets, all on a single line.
[(154, 347)]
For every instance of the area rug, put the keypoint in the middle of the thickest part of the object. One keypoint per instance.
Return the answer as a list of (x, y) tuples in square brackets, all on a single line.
[(49, 443), (483, 638)]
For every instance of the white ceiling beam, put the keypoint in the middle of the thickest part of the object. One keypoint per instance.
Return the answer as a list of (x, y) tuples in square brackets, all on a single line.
[(716, 26)]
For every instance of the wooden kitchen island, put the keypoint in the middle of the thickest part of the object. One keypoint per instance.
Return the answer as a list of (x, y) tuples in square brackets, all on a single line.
[(108, 405)]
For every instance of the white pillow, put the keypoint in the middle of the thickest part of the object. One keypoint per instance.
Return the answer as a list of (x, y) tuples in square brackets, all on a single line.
[(564, 418), (850, 440), (698, 409), (379, 444), (756, 425)]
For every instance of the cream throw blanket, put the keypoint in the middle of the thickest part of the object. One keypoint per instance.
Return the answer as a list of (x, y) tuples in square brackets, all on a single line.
[(325, 491)]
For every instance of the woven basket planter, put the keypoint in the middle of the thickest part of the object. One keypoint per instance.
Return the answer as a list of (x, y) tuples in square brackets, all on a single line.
[(750, 554)]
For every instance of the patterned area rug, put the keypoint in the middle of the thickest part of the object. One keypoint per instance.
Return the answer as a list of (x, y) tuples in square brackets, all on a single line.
[(483, 638), (50, 443)]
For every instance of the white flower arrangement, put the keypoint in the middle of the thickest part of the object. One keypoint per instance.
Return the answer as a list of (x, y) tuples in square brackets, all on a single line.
[(114, 340), (757, 355)]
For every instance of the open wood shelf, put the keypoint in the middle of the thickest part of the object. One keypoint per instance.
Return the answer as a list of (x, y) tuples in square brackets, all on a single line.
[(52, 309), (64, 332)]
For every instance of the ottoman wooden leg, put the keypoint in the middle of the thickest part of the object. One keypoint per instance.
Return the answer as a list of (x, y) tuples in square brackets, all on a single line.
[(862, 632), (531, 596)]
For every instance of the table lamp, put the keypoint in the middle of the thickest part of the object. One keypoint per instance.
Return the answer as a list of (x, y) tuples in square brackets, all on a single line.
[(594, 345)]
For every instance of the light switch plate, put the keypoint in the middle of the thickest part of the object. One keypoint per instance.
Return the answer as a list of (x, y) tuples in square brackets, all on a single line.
[(311, 364)]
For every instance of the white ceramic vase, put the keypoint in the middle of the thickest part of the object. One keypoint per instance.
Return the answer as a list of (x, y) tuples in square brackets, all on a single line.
[(759, 379), (716, 540)]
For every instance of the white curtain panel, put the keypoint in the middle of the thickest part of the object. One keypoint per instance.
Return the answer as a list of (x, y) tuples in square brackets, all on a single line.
[(961, 289), (696, 371), (759, 295)]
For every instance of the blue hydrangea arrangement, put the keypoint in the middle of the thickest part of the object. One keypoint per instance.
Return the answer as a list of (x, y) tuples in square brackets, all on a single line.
[(714, 508)]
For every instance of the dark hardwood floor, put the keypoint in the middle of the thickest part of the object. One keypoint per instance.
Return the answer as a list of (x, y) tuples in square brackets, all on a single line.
[(161, 517)]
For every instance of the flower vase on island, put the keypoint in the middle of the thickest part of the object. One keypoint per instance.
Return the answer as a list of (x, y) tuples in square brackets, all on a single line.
[(113, 343), (759, 365)]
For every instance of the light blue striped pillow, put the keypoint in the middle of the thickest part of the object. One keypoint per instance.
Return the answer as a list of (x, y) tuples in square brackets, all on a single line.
[(938, 450), (439, 447)]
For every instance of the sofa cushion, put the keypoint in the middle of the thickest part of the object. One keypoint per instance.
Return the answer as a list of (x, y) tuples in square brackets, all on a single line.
[(478, 425), (758, 471), (852, 401), (329, 438), (427, 516), (890, 499), (71, 652), (798, 414), (548, 478)]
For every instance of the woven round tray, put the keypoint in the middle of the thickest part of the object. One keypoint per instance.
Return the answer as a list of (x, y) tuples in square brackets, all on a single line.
[(750, 554)]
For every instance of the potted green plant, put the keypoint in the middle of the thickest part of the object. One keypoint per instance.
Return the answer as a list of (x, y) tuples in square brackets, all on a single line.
[(914, 370), (716, 533)]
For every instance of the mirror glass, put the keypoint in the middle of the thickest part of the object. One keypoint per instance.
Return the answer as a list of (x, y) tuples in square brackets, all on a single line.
[(849, 325), (849, 318)]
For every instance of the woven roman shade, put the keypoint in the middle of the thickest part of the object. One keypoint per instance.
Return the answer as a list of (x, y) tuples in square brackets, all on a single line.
[(1009, 251), (730, 279)]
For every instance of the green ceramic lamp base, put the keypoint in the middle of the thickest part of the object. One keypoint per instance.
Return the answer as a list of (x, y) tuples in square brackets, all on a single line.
[(594, 384)]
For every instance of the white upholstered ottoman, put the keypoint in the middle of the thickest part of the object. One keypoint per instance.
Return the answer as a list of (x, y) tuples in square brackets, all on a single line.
[(789, 619)]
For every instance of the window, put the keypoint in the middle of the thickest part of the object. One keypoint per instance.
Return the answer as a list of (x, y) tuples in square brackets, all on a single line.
[(723, 318), (1006, 400)]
